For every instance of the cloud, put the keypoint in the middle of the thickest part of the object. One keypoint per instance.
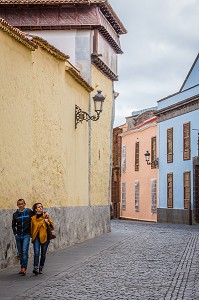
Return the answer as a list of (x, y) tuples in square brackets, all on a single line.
[(159, 50)]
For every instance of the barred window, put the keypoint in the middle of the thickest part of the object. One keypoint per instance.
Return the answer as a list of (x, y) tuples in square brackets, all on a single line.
[(123, 158), (170, 145), (170, 190), (137, 195), (153, 152), (137, 149), (187, 189), (186, 141), (153, 195), (123, 195)]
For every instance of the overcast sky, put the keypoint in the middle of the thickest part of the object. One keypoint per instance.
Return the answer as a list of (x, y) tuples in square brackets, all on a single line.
[(159, 49)]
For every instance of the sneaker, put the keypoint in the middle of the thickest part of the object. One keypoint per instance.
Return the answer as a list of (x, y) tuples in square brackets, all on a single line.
[(20, 272), (35, 271), (23, 272), (40, 270)]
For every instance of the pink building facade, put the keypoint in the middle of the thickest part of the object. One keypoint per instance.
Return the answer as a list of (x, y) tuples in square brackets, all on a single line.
[(139, 178)]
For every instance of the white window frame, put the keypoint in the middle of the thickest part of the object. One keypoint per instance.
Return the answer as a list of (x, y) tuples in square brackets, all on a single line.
[(137, 195), (123, 195)]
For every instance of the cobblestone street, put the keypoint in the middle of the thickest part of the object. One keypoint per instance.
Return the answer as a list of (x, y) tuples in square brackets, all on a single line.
[(152, 261)]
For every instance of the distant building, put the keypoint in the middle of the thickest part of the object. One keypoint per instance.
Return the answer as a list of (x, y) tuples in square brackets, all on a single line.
[(178, 122), (139, 180), (116, 171)]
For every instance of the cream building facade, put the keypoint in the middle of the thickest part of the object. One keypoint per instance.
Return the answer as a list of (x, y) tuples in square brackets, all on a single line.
[(68, 169)]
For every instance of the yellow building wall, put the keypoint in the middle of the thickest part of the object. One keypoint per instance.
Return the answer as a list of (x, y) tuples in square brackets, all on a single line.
[(101, 132), (42, 156), (61, 153), (16, 131)]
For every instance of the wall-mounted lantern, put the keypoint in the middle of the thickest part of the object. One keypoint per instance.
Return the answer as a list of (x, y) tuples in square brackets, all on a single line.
[(81, 115), (154, 162)]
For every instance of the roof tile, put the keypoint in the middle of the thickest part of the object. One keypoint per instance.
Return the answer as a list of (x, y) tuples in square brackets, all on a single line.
[(17, 34), (51, 1)]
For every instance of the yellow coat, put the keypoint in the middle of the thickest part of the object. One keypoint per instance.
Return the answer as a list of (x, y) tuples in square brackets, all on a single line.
[(40, 226)]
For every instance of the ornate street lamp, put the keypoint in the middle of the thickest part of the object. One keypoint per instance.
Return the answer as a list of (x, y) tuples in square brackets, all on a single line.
[(81, 115), (154, 162)]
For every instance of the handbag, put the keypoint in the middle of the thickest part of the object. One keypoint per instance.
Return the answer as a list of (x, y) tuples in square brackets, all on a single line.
[(51, 233)]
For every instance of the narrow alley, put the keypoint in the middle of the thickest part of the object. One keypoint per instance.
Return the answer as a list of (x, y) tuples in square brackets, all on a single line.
[(137, 260)]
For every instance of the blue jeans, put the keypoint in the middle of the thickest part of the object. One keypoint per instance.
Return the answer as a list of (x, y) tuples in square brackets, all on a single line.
[(23, 247), (37, 247)]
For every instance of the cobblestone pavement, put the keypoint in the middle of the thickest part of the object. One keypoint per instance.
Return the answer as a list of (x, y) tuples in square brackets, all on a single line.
[(154, 261)]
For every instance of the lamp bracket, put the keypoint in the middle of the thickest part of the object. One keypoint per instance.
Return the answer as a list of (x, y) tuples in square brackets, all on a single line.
[(81, 116)]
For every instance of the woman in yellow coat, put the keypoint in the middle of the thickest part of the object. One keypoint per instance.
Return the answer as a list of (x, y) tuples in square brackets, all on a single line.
[(40, 240)]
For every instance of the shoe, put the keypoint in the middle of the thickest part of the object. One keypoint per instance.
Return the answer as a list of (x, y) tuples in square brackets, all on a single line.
[(35, 271), (23, 272), (40, 270)]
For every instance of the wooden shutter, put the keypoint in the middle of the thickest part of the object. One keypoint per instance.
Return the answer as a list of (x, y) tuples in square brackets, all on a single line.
[(153, 152), (137, 150), (170, 145), (170, 190), (187, 189), (123, 195), (186, 141)]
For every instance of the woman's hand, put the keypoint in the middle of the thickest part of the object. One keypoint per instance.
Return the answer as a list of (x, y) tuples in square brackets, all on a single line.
[(47, 222)]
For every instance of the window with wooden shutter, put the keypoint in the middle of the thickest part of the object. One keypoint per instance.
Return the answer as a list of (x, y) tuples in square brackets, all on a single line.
[(137, 149), (123, 195), (153, 195), (186, 141), (123, 158), (170, 190), (187, 189), (153, 152), (137, 195), (170, 145)]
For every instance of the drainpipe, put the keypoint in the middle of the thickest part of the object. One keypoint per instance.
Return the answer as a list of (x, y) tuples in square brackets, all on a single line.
[(198, 144)]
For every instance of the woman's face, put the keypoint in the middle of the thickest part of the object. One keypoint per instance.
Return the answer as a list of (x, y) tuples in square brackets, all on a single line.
[(39, 208)]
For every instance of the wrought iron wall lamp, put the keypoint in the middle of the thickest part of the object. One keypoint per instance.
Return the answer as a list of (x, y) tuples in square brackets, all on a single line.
[(154, 162), (81, 115)]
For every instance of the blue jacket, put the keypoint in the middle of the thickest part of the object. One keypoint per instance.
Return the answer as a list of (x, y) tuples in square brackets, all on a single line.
[(21, 222)]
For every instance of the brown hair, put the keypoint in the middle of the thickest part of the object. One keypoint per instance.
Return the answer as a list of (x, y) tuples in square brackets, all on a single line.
[(35, 206), (19, 200)]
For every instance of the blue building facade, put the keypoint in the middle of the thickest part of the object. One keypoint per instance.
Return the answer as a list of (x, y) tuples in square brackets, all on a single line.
[(178, 125)]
